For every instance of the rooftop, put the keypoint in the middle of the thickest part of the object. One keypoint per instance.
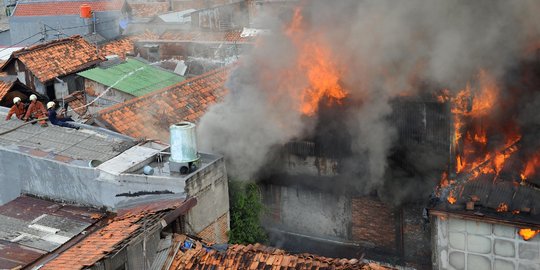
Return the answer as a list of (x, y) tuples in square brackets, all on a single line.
[(62, 144), (116, 235), (57, 58), (141, 78), (233, 36), (150, 9), (52, 8), (151, 115), (193, 254), (120, 47), (31, 228)]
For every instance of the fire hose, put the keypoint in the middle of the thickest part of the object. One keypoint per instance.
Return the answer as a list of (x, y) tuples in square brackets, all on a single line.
[(20, 126)]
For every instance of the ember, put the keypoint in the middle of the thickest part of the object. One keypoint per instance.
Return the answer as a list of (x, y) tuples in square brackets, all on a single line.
[(503, 207)]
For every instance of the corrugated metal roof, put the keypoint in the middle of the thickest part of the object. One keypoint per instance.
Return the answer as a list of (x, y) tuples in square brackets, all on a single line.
[(31, 227), (145, 78)]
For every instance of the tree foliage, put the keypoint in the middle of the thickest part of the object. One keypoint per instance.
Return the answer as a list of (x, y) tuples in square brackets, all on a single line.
[(246, 208)]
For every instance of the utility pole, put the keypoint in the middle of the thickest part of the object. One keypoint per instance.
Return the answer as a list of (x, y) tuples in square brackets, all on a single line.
[(43, 32)]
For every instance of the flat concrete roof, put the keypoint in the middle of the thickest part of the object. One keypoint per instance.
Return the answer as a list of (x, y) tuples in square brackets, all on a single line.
[(54, 141)]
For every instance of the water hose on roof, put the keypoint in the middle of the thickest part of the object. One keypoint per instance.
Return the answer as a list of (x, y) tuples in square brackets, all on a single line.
[(20, 126)]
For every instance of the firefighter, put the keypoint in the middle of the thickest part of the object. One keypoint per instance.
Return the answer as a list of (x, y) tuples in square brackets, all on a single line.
[(58, 120), (36, 110), (17, 109)]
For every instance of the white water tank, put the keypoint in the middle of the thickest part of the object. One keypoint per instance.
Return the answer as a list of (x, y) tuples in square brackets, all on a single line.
[(183, 142)]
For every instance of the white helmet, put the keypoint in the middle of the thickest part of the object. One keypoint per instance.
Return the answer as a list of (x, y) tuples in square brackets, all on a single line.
[(50, 104), (16, 100), (33, 97)]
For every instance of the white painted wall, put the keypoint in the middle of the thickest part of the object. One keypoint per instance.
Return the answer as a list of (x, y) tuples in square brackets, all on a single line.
[(473, 245)]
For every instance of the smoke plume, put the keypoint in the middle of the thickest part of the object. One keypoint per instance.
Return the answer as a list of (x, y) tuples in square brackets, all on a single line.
[(381, 50)]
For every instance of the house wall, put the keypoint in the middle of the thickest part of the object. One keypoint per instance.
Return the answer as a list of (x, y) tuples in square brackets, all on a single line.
[(477, 245), (210, 217), (112, 96), (22, 27)]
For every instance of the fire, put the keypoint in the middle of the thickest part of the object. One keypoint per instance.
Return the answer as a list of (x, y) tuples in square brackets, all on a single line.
[(503, 207), (530, 167), (451, 198), (316, 61), (528, 234)]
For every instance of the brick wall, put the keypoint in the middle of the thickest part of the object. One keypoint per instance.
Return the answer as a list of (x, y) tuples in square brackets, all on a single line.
[(217, 231), (374, 222)]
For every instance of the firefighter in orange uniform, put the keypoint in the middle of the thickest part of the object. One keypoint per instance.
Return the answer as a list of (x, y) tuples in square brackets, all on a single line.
[(36, 110), (17, 109)]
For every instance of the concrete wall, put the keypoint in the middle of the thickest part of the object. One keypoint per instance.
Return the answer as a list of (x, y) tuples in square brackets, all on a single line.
[(475, 245), (210, 187), (22, 27), (57, 180), (112, 96), (307, 212)]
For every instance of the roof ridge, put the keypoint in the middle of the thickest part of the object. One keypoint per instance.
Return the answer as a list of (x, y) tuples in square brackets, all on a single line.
[(46, 45), (157, 92)]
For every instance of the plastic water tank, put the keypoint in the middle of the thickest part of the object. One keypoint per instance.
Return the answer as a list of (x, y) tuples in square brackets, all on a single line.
[(86, 11), (183, 142)]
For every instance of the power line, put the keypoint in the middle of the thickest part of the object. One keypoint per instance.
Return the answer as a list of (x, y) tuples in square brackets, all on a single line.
[(13, 45)]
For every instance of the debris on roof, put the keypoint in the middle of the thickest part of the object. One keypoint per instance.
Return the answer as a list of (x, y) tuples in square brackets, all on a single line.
[(57, 58), (186, 101), (141, 78), (31, 228), (53, 8), (115, 235), (195, 254)]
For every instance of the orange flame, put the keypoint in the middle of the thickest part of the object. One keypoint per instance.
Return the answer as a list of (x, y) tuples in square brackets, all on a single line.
[(528, 234), (503, 207), (316, 61), (451, 198), (530, 167)]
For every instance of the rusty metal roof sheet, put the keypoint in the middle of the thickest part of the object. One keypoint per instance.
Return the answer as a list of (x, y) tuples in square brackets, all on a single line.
[(31, 228)]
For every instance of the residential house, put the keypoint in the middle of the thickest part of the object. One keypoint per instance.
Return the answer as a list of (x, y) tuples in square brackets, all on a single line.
[(201, 50), (50, 68), (116, 81), (225, 17), (149, 116), (103, 169), (134, 239), (485, 227), (11, 87), (35, 21), (32, 228)]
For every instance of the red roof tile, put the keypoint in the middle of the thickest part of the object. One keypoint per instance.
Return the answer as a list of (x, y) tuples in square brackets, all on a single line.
[(119, 47), (57, 58), (111, 237), (203, 256), (64, 8), (210, 36), (5, 87), (149, 9), (77, 102), (151, 115)]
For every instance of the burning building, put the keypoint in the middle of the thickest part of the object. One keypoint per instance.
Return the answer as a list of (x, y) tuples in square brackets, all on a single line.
[(374, 103)]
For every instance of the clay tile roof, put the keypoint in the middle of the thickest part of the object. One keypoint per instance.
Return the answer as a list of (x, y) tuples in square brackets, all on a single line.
[(112, 237), (149, 9), (64, 8), (77, 102), (57, 58), (4, 88), (201, 36), (151, 115), (119, 47), (203, 256)]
